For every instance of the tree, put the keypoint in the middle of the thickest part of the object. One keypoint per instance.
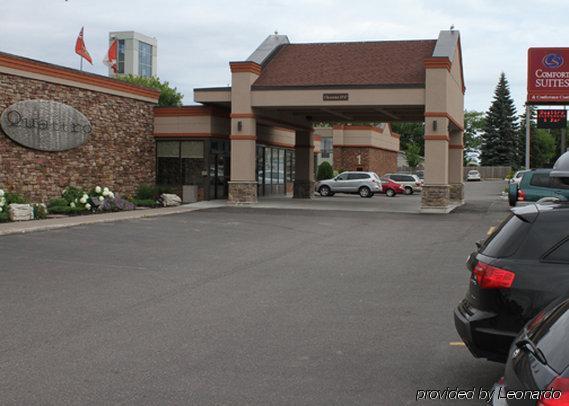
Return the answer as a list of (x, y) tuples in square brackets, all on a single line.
[(413, 155), (325, 171), (473, 126), (169, 96), (542, 149), (500, 135), (410, 133), (543, 145)]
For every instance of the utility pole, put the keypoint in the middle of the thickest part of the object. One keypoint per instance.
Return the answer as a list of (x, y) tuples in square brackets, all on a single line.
[(528, 126)]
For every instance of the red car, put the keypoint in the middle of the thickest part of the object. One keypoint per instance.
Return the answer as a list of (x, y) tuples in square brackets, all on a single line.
[(391, 188)]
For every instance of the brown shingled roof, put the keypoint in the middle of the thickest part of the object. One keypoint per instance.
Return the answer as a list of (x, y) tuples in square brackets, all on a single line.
[(384, 63)]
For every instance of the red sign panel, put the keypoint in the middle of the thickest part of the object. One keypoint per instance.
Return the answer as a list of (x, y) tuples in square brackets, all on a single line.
[(548, 75), (551, 118)]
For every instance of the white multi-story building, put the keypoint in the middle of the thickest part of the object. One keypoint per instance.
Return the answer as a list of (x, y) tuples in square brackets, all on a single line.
[(136, 54)]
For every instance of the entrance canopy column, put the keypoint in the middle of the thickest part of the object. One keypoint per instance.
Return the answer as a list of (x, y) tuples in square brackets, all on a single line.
[(436, 192), (243, 183), (304, 179), (456, 167)]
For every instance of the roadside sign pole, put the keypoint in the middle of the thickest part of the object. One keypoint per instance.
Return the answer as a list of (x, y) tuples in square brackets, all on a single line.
[(564, 138), (528, 123)]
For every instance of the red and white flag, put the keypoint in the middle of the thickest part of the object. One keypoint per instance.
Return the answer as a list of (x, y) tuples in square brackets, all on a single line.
[(111, 57), (81, 49)]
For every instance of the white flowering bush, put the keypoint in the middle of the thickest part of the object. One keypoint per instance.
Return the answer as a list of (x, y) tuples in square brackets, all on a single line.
[(2, 200), (75, 200)]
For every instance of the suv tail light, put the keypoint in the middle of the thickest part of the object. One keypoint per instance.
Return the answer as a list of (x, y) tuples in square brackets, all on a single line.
[(559, 384), (521, 196), (417, 183), (490, 277)]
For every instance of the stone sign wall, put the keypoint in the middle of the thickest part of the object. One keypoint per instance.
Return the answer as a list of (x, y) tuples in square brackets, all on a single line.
[(118, 152)]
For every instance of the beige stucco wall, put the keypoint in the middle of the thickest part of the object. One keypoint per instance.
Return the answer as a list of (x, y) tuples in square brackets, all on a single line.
[(365, 137), (275, 136), (357, 97), (204, 125)]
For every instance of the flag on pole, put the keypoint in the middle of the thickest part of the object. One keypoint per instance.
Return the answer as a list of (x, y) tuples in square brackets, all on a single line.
[(81, 49), (111, 57)]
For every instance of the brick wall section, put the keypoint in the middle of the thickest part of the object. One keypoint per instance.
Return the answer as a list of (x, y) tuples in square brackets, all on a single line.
[(375, 160), (120, 152)]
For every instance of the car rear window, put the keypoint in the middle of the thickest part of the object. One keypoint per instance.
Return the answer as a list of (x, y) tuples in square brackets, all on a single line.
[(540, 180), (560, 254), (550, 336), (507, 238), (560, 183)]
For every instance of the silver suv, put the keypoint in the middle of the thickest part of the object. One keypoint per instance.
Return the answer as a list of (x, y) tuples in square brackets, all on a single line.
[(363, 183), (410, 183)]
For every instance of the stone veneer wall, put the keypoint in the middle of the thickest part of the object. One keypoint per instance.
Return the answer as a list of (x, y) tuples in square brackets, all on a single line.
[(120, 152), (375, 160)]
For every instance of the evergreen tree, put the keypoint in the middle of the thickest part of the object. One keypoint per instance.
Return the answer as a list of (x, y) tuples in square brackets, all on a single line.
[(501, 130)]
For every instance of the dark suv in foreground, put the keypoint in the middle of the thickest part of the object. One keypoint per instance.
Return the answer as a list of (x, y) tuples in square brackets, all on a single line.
[(538, 365), (520, 268)]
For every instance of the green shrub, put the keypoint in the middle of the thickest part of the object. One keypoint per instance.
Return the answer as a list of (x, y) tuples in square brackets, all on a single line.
[(145, 202), (325, 171), (14, 198), (72, 194), (60, 201), (40, 211), (67, 210), (151, 192), (4, 218)]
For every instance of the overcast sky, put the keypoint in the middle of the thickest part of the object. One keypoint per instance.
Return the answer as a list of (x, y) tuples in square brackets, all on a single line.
[(197, 39)]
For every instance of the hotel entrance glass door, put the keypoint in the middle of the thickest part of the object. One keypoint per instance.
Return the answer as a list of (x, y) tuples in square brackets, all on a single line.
[(218, 175)]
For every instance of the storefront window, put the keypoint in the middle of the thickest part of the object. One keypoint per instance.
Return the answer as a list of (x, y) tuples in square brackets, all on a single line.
[(168, 163), (275, 170), (326, 147), (268, 172), (192, 154)]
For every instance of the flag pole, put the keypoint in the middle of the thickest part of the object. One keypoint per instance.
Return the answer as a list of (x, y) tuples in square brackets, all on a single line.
[(81, 63)]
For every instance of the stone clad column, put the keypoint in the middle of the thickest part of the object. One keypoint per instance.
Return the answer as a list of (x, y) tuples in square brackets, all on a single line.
[(456, 167), (436, 192), (243, 183), (304, 167)]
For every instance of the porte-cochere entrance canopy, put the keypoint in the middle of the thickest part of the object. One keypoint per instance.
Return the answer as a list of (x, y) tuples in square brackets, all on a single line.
[(297, 85)]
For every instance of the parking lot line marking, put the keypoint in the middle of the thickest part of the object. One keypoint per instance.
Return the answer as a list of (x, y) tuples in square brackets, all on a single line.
[(456, 344)]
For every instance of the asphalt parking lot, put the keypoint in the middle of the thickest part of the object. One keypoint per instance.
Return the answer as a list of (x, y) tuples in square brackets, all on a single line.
[(239, 306)]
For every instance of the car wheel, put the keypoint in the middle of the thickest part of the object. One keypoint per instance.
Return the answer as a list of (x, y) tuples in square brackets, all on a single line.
[(390, 192), (408, 190), (365, 191), (324, 191), (371, 194)]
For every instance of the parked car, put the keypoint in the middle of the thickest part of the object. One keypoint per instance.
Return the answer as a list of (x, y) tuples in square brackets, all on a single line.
[(539, 361), (517, 178), (473, 176), (521, 267), (391, 188), (410, 183), (537, 184), (363, 183)]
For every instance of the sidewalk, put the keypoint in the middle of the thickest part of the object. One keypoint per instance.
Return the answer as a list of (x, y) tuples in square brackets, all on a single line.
[(50, 224)]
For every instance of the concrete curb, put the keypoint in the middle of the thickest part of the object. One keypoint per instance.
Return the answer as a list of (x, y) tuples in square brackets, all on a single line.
[(53, 224)]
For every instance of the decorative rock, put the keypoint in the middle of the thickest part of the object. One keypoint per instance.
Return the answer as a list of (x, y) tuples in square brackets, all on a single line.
[(170, 200), (21, 212)]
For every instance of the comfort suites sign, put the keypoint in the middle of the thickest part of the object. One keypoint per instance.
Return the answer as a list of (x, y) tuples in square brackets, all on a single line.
[(45, 125), (548, 75)]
